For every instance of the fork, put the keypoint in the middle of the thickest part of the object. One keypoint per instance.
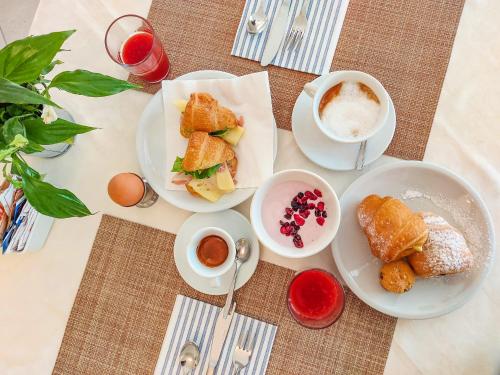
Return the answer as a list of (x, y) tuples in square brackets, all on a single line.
[(243, 351), (360, 159), (298, 28)]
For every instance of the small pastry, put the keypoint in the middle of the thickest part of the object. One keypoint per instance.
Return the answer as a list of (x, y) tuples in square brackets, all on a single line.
[(203, 113), (392, 229), (397, 277), (445, 252)]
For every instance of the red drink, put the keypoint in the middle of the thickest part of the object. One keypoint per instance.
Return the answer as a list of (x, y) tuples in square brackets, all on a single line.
[(131, 42), (315, 298)]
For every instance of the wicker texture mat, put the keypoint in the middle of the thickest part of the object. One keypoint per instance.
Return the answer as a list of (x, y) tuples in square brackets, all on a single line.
[(405, 44), (128, 290)]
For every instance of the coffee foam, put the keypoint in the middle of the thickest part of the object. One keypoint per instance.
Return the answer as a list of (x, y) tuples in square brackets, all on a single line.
[(353, 112)]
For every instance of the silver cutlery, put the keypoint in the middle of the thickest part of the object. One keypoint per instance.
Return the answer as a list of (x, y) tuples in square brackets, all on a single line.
[(360, 159), (243, 250), (189, 357), (276, 34), (257, 21), (221, 329), (243, 351), (298, 29)]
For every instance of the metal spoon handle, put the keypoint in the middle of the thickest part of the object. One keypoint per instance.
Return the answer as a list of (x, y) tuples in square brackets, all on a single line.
[(230, 292)]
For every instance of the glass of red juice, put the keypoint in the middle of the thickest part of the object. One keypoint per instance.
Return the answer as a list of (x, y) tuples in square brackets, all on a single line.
[(131, 42), (315, 298)]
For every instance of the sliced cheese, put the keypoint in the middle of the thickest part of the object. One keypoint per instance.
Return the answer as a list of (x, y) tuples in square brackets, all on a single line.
[(233, 136), (224, 180), (181, 104), (206, 188)]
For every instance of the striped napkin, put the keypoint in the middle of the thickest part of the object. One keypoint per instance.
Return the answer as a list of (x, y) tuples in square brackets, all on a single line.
[(193, 320), (315, 54)]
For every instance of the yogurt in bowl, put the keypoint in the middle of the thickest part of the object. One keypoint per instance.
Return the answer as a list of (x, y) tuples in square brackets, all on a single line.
[(295, 213)]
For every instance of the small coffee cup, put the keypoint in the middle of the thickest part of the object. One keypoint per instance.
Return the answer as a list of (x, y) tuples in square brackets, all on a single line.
[(316, 92), (214, 274)]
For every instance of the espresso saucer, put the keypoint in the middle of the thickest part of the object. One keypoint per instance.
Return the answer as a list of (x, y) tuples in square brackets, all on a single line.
[(330, 154), (238, 227)]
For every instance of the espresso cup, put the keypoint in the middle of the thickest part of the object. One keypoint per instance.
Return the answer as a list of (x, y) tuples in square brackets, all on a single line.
[(214, 274), (317, 91)]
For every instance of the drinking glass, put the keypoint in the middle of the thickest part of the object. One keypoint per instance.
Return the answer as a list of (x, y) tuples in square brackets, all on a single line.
[(131, 42), (315, 298)]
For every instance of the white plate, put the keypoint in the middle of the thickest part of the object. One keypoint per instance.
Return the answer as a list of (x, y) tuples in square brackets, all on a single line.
[(150, 144), (447, 195), (328, 153), (238, 227)]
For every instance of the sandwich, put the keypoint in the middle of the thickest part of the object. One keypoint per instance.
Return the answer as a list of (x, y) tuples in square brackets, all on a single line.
[(203, 113), (208, 166)]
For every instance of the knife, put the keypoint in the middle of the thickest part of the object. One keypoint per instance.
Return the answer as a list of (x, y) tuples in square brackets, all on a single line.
[(221, 329), (276, 34)]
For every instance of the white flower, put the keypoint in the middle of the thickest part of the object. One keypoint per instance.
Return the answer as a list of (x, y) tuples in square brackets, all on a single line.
[(48, 114)]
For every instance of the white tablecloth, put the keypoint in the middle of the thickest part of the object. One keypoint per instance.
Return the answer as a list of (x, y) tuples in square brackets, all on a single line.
[(37, 290)]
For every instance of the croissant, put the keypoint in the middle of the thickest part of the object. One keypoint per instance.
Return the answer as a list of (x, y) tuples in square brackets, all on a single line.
[(445, 252), (203, 113), (392, 229), (204, 151)]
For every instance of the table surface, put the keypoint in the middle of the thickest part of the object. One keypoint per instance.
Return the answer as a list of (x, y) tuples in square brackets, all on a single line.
[(38, 289)]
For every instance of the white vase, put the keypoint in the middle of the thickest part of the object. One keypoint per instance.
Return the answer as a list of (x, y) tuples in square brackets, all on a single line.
[(55, 150)]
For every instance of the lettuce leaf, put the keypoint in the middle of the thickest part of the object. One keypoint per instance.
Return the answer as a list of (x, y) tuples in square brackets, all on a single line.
[(199, 174)]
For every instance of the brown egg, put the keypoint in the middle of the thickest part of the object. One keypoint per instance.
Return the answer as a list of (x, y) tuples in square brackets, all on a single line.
[(126, 189)]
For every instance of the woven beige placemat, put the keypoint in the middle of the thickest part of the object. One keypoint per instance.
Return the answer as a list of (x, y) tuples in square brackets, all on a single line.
[(126, 295), (405, 44)]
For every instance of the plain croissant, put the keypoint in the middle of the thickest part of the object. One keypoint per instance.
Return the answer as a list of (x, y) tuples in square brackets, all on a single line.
[(203, 113), (392, 229), (204, 151)]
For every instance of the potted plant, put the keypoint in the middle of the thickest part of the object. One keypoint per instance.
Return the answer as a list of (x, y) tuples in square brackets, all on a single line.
[(28, 118)]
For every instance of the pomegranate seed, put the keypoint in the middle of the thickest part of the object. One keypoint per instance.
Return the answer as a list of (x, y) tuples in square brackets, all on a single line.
[(298, 242), (300, 195), (317, 213), (303, 214), (282, 223), (321, 206), (318, 193), (288, 217), (311, 206), (324, 214), (288, 211), (283, 230), (293, 231), (320, 220), (295, 205), (299, 220)]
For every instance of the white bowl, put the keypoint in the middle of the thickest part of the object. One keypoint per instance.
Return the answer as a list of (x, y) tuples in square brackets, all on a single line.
[(331, 224)]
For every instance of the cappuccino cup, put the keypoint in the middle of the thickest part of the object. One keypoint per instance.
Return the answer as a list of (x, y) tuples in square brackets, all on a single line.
[(349, 106)]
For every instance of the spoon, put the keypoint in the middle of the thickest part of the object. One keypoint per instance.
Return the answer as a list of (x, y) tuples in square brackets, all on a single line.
[(243, 251), (189, 357), (257, 21)]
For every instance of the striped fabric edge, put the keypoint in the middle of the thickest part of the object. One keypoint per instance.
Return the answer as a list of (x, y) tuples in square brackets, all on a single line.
[(187, 310)]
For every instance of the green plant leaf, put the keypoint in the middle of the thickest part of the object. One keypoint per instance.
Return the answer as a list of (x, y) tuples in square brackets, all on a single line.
[(11, 92), (11, 128), (32, 147), (17, 143), (52, 201), (55, 132), (19, 166), (23, 60), (49, 67), (83, 82)]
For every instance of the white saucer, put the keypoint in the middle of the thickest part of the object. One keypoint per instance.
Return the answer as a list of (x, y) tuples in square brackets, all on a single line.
[(238, 227), (330, 154), (151, 145)]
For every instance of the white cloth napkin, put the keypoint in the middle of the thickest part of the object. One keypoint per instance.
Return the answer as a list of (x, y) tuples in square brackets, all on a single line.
[(193, 320), (315, 54), (248, 96)]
